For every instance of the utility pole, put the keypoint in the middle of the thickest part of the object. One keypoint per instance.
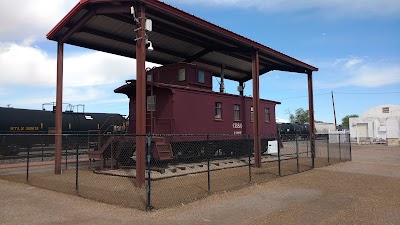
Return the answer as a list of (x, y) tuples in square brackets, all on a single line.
[(334, 111)]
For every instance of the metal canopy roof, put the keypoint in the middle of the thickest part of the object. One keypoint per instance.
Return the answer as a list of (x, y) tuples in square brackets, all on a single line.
[(107, 25)]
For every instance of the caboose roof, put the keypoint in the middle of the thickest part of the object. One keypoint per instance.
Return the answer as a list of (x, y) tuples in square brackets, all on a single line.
[(130, 90), (107, 25)]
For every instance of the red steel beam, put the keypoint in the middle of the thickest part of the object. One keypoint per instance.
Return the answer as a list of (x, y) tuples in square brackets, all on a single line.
[(311, 114), (256, 102), (140, 98), (58, 138), (209, 28), (77, 26)]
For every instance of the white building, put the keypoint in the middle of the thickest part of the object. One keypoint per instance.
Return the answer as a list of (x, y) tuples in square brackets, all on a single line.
[(380, 124), (324, 128)]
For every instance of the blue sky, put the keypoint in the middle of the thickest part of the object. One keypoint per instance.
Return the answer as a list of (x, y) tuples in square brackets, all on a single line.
[(355, 45)]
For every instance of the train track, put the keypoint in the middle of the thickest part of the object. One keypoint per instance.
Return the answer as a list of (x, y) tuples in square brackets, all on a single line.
[(41, 154)]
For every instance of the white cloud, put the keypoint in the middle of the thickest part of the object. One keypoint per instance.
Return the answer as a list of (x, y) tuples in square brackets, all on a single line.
[(28, 75), (31, 66), (348, 62), (356, 71), (371, 75), (353, 62), (355, 8), (20, 19), (25, 65), (98, 68)]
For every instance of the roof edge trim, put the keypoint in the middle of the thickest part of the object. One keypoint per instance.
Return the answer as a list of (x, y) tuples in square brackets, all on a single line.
[(64, 20)]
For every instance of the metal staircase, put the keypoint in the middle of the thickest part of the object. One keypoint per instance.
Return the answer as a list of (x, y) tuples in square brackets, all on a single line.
[(103, 150)]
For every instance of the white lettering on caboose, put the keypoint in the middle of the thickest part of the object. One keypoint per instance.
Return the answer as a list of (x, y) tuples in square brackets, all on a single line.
[(237, 125)]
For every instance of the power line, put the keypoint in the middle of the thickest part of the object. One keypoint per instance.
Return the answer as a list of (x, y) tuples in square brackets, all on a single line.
[(305, 96), (367, 93), (344, 93)]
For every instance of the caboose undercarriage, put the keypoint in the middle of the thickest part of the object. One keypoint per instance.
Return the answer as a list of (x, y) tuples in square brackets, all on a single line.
[(120, 150)]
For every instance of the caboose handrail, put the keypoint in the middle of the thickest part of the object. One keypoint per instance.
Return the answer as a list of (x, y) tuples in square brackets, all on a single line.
[(99, 131), (106, 130), (113, 123)]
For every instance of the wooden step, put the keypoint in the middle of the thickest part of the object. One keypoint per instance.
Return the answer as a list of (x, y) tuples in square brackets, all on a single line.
[(161, 150)]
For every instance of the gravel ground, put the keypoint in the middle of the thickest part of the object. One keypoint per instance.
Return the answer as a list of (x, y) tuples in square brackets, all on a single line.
[(364, 191)]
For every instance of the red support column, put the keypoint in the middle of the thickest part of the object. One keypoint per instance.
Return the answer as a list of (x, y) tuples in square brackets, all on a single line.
[(58, 138), (311, 115), (141, 98), (256, 101)]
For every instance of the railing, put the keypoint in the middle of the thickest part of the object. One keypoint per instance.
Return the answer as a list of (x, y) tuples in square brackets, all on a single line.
[(108, 128)]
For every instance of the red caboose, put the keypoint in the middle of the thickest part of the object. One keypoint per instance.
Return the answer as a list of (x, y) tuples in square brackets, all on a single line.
[(180, 100)]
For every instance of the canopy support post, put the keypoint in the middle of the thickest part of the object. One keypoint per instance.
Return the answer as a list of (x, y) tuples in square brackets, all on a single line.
[(141, 97), (59, 103), (256, 103), (311, 115)]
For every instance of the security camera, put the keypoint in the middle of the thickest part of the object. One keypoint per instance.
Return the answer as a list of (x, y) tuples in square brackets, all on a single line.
[(150, 48)]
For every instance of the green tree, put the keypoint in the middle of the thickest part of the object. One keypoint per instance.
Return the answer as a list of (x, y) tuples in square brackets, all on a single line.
[(345, 120), (300, 116)]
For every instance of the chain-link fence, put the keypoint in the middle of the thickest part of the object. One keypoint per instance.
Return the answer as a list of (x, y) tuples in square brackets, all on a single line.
[(178, 168)]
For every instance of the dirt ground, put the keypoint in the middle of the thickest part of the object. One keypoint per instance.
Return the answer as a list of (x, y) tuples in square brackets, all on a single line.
[(165, 193), (364, 191)]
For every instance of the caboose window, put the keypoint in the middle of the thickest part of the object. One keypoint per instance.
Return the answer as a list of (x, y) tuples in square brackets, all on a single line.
[(200, 76), (266, 112), (251, 114), (236, 112), (181, 75), (218, 110)]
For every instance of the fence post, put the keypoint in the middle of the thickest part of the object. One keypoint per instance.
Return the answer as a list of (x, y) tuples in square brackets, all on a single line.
[(313, 150), (351, 158), (279, 155), (340, 150), (208, 176), (208, 166), (27, 165), (249, 153), (327, 146), (297, 153), (41, 144), (66, 156), (307, 146), (148, 149), (76, 170)]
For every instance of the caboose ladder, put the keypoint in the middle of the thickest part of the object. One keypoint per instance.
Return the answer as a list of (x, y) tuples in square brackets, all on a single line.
[(161, 150)]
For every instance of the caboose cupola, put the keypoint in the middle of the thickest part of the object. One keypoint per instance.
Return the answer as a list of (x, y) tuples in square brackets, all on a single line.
[(181, 74)]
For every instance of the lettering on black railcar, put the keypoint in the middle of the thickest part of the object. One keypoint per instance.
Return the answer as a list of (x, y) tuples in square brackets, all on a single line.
[(24, 128)]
